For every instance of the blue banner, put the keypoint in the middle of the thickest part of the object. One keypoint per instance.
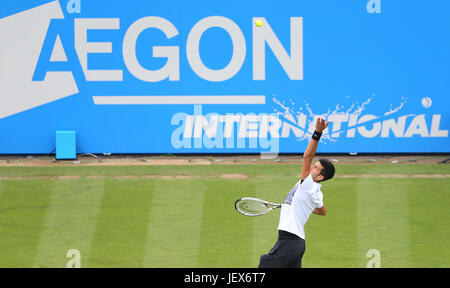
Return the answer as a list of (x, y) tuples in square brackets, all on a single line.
[(200, 76)]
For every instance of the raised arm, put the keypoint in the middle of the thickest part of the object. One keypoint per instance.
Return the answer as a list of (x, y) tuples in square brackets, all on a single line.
[(310, 151)]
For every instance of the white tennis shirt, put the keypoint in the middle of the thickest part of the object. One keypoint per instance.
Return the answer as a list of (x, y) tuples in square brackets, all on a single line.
[(298, 206)]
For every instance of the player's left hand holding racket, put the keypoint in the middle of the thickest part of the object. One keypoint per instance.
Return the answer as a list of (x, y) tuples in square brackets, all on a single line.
[(249, 206)]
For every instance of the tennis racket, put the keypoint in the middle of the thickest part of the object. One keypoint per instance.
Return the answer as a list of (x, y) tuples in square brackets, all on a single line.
[(249, 206)]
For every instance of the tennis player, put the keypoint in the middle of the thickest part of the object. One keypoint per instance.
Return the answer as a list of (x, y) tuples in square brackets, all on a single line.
[(304, 199)]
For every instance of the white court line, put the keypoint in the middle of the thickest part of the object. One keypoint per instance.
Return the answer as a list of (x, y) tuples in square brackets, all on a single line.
[(179, 99)]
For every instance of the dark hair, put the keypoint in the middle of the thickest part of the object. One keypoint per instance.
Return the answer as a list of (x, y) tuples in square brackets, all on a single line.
[(328, 169)]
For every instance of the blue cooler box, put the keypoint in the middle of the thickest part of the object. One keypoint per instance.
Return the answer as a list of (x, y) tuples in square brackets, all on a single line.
[(66, 145)]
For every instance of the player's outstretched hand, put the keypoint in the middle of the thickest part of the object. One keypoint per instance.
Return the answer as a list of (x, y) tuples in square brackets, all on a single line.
[(321, 125)]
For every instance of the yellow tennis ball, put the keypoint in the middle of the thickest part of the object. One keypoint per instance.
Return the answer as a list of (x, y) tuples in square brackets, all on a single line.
[(258, 23)]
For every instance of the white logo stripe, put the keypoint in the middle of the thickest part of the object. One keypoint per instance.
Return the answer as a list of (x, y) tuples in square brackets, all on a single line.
[(179, 99)]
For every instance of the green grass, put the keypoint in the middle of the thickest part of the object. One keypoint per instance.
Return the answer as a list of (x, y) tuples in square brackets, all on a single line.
[(155, 222)]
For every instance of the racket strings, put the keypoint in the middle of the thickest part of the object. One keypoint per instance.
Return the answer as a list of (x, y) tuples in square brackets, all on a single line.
[(253, 207)]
